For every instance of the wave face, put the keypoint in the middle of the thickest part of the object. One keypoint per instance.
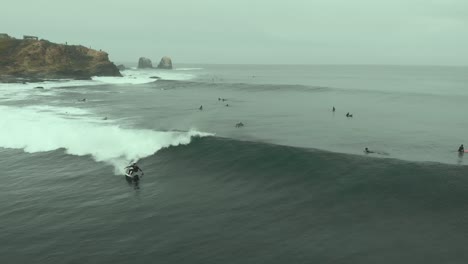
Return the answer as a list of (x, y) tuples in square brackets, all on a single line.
[(281, 167), (281, 203), (40, 129)]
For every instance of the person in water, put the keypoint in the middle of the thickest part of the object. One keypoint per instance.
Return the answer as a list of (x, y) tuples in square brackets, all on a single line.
[(201, 107), (368, 151), (135, 179), (333, 109), (134, 168), (461, 149)]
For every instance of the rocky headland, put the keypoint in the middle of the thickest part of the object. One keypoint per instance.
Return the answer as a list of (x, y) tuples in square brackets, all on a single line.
[(35, 59)]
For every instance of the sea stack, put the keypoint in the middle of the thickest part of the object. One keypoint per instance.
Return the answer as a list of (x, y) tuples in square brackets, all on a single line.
[(144, 63), (35, 59), (165, 63)]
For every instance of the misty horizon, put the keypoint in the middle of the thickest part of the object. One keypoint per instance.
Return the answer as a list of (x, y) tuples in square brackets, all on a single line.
[(334, 32)]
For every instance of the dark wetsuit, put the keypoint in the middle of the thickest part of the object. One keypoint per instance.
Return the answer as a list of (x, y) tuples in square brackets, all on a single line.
[(134, 168), (135, 178)]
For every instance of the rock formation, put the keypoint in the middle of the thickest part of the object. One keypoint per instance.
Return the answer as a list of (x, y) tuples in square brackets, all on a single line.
[(144, 63), (35, 59), (165, 63), (121, 67)]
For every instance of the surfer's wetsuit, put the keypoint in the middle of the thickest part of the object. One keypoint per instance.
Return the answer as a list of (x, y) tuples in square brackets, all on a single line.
[(461, 149), (134, 168), (135, 179)]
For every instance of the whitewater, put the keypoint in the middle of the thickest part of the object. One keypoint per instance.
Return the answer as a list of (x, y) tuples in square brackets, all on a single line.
[(39, 127)]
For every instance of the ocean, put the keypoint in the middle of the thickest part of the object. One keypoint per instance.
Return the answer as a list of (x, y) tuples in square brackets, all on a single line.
[(293, 185)]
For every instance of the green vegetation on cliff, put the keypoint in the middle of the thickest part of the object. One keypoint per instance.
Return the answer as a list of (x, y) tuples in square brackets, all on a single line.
[(44, 59)]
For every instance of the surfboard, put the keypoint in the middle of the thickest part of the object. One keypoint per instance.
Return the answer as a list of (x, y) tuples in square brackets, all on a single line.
[(132, 175)]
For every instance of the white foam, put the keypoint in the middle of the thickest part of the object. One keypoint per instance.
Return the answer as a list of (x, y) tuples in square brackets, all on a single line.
[(174, 75), (140, 76), (22, 91), (59, 110), (39, 131), (123, 80), (163, 74), (128, 77)]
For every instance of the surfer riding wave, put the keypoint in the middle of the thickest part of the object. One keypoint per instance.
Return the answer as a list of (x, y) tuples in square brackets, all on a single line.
[(133, 174)]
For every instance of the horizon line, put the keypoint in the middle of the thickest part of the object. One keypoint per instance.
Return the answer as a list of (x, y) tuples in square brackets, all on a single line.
[(313, 64)]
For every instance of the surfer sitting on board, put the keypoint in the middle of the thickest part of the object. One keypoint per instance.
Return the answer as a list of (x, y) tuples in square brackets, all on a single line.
[(461, 149)]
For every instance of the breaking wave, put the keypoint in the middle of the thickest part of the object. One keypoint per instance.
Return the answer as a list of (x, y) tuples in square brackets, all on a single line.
[(80, 135)]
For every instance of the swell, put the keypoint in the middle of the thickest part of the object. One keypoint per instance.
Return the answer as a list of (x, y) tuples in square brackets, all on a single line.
[(270, 87), (173, 84), (334, 177)]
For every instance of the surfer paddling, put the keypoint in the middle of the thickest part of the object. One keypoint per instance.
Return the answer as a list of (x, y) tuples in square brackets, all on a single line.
[(367, 151)]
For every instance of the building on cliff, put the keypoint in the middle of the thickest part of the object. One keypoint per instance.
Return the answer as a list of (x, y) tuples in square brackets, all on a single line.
[(26, 37)]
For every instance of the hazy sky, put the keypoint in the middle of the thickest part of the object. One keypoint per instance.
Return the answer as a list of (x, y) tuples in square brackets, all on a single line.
[(253, 31)]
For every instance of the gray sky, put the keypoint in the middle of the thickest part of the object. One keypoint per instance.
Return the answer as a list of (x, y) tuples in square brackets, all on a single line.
[(253, 31)]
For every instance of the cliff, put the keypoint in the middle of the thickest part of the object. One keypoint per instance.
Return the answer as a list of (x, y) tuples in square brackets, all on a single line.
[(44, 59)]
